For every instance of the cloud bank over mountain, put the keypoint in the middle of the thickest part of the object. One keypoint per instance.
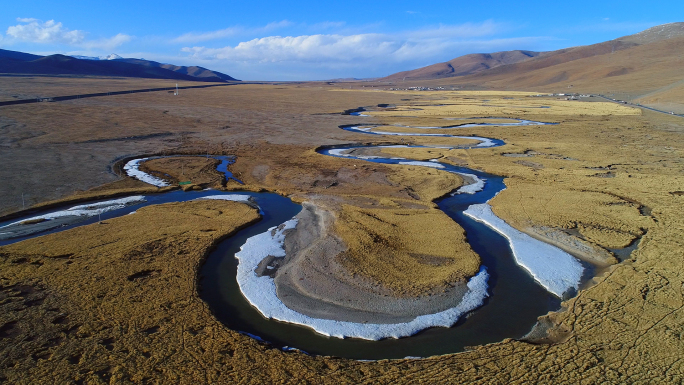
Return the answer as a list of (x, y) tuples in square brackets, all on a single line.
[(51, 32)]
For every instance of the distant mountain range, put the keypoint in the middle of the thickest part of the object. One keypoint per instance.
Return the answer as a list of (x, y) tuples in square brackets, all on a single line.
[(649, 61), (13, 62), (464, 65)]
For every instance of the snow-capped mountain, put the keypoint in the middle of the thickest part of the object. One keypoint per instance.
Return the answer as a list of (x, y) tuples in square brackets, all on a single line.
[(112, 56)]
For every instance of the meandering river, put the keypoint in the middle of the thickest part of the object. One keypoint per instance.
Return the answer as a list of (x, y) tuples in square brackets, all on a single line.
[(514, 303)]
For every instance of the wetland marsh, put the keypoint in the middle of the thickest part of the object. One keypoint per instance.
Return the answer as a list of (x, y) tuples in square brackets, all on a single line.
[(140, 310)]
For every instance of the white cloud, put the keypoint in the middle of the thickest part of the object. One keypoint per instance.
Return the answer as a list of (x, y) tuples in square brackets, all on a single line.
[(328, 25), (108, 44), (197, 37), (52, 32), (462, 31), (35, 31), (275, 25), (339, 48), (332, 55), (304, 48)]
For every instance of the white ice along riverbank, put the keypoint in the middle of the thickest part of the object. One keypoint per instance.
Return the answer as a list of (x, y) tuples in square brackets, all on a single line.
[(520, 122), (478, 184), (557, 271), (133, 171), (87, 210), (421, 163), (261, 293), (235, 198)]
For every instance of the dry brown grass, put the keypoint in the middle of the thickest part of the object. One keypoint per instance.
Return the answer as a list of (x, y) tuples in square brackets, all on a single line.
[(81, 138), (411, 252), (625, 328), (567, 168), (196, 170), (485, 104), (27, 87)]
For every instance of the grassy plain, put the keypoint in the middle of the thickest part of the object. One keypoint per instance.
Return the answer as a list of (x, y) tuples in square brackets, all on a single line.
[(83, 138), (28, 87), (606, 174)]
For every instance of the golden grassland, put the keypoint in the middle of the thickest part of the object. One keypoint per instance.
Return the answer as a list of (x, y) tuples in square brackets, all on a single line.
[(568, 171), (606, 173), (409, 251), (613, 180), (476, 93), (99, 297), (452, 104)]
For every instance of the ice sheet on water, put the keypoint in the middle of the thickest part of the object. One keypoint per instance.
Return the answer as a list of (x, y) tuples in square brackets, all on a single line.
[(423, 164), (234, 198), (338, 151), (477, 185), (484, 142), (87, 210), (132, 170), (553, 268)]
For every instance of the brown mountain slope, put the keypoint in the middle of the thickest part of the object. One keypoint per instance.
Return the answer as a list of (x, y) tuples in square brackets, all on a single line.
[(646, 68), (668, 98), (649, 50), (464, 65), (629, 68), (555, 67)]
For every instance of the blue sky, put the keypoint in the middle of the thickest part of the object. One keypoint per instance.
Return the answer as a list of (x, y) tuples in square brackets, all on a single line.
[(312, 40)]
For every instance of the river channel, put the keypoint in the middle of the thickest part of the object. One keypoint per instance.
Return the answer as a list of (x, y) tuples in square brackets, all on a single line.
[(510, 311)]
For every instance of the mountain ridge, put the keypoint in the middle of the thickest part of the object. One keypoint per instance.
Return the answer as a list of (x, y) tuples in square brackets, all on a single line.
[(15, 62), (482, 69), (465, 65)]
